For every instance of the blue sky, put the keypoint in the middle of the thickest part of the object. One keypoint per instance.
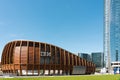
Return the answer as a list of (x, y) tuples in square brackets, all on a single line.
[(75, 25)]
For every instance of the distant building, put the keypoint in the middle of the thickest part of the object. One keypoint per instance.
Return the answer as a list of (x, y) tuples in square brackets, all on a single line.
[(98, 59), (85, 56)]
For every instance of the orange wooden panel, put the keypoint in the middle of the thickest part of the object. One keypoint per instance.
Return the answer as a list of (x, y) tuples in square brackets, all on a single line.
[(36, 55), (23, 55), (31, 55), (17, 55)]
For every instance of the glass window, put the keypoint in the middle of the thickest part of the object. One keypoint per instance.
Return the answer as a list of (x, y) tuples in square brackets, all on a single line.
[(41, 60)]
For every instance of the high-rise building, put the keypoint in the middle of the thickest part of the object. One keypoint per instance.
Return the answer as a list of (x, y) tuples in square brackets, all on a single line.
[(112, 32), (85, 56), (98, 59)]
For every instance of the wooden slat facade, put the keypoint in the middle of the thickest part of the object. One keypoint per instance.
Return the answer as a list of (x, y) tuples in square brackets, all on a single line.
[(37, 58)]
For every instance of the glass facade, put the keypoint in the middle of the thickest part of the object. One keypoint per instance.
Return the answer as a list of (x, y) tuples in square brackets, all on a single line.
[(98, 59), (112, 31), (115, 30), (85, 56)]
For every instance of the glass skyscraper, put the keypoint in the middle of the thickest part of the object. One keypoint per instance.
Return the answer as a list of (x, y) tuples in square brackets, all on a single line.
[(112, 31), (98, 59)]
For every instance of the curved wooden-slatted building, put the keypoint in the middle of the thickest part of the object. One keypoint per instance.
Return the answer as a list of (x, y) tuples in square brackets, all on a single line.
[(23, 57)]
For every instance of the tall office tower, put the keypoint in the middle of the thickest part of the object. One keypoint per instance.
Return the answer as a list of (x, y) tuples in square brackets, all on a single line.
[(112, 32), (98, 59)]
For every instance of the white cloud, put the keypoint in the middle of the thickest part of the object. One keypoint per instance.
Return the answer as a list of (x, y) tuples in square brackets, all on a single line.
[(13, 35), (16, 35)]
